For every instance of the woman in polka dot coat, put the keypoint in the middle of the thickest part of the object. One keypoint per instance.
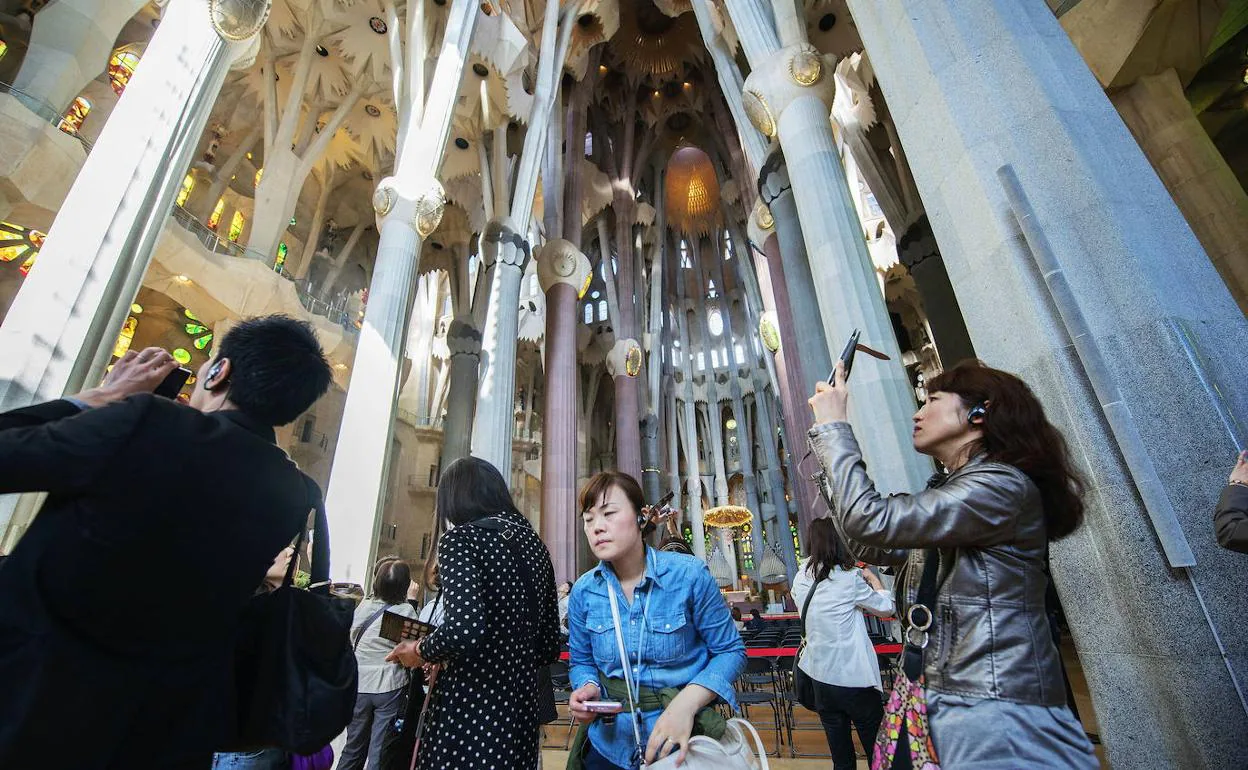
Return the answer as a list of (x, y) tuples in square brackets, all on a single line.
[(501, 625)]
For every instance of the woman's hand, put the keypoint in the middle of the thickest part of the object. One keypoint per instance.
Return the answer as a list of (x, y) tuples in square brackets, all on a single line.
[(872, 580), (675, 726), (407, 653), (1240, 474), (583, 693), (413, 590), (829, 403)]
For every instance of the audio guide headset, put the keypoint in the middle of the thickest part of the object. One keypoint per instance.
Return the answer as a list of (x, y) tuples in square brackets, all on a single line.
[(979, 411)]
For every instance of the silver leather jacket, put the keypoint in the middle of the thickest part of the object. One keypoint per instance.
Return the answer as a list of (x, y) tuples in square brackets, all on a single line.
[(990, 637)]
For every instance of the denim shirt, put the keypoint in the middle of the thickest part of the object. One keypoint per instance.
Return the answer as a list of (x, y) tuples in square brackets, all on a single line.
[(684, 629)]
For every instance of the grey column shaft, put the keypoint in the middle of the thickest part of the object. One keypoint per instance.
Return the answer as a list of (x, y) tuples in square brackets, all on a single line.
[(1170, 333), (461, 401)]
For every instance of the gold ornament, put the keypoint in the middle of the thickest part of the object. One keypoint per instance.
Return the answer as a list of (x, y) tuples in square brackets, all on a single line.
[(429, 208), (632, 360), (237, 20), (764, 218), (759, 113), (727, 516), (383, 200), (806, 67), (769, 334)]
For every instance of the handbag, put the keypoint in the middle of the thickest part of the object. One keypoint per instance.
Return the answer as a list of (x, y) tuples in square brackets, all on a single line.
[(295, 675), (732, 752), (905, 726), (804, 691)]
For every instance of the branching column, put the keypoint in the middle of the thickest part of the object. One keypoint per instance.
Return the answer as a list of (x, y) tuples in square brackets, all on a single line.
[(464, 342)]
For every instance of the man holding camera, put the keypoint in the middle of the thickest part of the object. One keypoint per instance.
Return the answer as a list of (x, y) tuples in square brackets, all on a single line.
[(118, 607)]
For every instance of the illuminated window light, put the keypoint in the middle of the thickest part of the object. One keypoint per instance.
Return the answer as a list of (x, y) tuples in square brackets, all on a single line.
[(188, 184), (20, 244), (217, 211), (71, 122), (236, 226), (121, 68)]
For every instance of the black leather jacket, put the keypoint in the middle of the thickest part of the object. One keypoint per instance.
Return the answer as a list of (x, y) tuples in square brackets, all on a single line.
[(990, 638)]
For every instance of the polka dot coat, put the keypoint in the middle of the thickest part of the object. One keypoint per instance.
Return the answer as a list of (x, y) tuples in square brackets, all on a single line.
[(494, 638)]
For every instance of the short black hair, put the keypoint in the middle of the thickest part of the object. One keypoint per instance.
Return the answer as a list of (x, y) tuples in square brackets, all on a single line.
[(277, 368), (471, 488), (391, 581)]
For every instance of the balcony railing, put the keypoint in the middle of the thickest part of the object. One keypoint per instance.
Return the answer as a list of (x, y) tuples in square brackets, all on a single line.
[(45, 111)]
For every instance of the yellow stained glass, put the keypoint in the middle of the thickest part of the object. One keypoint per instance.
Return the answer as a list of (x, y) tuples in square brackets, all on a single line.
[(217, 211), (121, 68), (19, 243), (126, 337), (236, 225), (259, 176), (188, 184), (71, 122), (4, 48), (282, 251)]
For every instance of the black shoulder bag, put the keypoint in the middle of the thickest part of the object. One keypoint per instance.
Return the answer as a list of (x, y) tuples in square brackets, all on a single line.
[(545, 686), (803, 686), (294, 667)]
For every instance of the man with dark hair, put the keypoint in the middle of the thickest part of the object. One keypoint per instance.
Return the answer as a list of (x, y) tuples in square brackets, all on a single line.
[(118, 607)]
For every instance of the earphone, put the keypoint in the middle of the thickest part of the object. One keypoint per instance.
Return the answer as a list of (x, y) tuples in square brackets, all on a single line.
[(978, 411), (641, 522), (213, 373)]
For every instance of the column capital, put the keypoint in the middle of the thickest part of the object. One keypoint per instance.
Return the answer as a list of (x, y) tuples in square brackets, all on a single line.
[(789, 74), (238, 20), (463, 339), (558, 261), (502, 242), (419, 203), (624, 358)]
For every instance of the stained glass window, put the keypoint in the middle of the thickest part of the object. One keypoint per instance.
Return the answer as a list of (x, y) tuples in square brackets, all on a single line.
[(217, 211), (71, 122), (236, 226), (201, 335), (188, 184), (259, 176), (745, 547), (126, 337), (20, 244), (121, 69), (4, 48), (797, 543), (282, 251), (589, 312), (602, 310), (182, 356)]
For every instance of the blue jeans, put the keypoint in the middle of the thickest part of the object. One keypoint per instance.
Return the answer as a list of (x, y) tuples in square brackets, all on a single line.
[(595, 761), (265, 759)]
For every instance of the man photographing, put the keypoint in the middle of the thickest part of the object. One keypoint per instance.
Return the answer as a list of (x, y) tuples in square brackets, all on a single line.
[(118, 607)]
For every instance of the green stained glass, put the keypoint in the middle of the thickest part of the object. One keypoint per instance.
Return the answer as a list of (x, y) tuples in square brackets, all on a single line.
[(196, 329), (182, 356), (282, 250), (797, 543), (203, 342), (189, 314)]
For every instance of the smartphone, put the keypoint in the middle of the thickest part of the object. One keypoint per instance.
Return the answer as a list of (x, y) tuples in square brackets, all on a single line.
[(847, 356), (173, 382), (603, 706)]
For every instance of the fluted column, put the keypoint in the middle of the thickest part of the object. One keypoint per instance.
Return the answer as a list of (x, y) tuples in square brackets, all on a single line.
[(464, 342), (789, 97), (409, 207), (503, 248), (562, 270)]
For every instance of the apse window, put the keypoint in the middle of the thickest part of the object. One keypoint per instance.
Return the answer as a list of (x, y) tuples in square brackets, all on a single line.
[(716, 323)]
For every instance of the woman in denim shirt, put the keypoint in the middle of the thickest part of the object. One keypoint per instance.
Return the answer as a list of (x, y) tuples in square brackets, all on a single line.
[(683, 650)]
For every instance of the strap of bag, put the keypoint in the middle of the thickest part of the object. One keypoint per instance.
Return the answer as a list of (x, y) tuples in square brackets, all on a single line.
[(319, 582), (628, 676), (526, 572), (358, 633), (921, 616), (806, 605)]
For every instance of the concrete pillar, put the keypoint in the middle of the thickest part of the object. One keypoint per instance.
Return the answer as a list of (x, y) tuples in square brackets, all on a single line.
[(1160, 117), (977, 85), (507, 252), (624, 364), (409, 207), (70, 44), (789, 97), (562, 270), (920, 253)]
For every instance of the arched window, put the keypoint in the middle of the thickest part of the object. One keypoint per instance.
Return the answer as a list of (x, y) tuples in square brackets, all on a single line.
[(715, 359), (589, 312), (188, 184), (121, 68), (727, 246), (602, 310), (710, 289), (685, 262), (236, 226), (740, 353), (217, 211), (71, 122), (20, 244)]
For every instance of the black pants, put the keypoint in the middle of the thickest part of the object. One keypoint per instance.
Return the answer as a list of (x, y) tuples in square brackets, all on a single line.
[(841, 706)]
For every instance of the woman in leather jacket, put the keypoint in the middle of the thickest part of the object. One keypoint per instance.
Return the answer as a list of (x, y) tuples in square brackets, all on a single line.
[(993, 677)]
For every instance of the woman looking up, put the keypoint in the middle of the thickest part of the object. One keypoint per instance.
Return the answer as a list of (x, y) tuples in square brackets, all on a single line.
[(683, 651), (839, 656), (975, 545), (500, 625)]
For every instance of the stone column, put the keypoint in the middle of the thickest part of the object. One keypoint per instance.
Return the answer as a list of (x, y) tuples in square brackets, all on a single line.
[(70, 44), (789, 97), (920, 253), (977, 85), (464, 342), (409, 207), (503, 248), (562, 270), (624, 364), (1160, 117)]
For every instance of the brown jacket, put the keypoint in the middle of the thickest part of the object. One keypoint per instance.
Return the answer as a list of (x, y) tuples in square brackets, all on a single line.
[(1230, 519)]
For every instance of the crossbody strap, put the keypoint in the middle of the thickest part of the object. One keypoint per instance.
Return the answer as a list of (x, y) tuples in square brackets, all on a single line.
[(509, 531), (628, 676), (921, 616), (802, 617), (358, 633)]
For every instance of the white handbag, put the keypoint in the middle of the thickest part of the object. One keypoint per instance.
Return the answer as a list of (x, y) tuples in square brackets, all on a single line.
[(733, 752)]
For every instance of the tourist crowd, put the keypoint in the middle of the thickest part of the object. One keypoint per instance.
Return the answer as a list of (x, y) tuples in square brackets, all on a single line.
[(138, 619)]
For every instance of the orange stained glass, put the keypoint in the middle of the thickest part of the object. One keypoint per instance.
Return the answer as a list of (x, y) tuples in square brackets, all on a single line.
[(20, 244), (71, 122), (217, 211), (121, 68)]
